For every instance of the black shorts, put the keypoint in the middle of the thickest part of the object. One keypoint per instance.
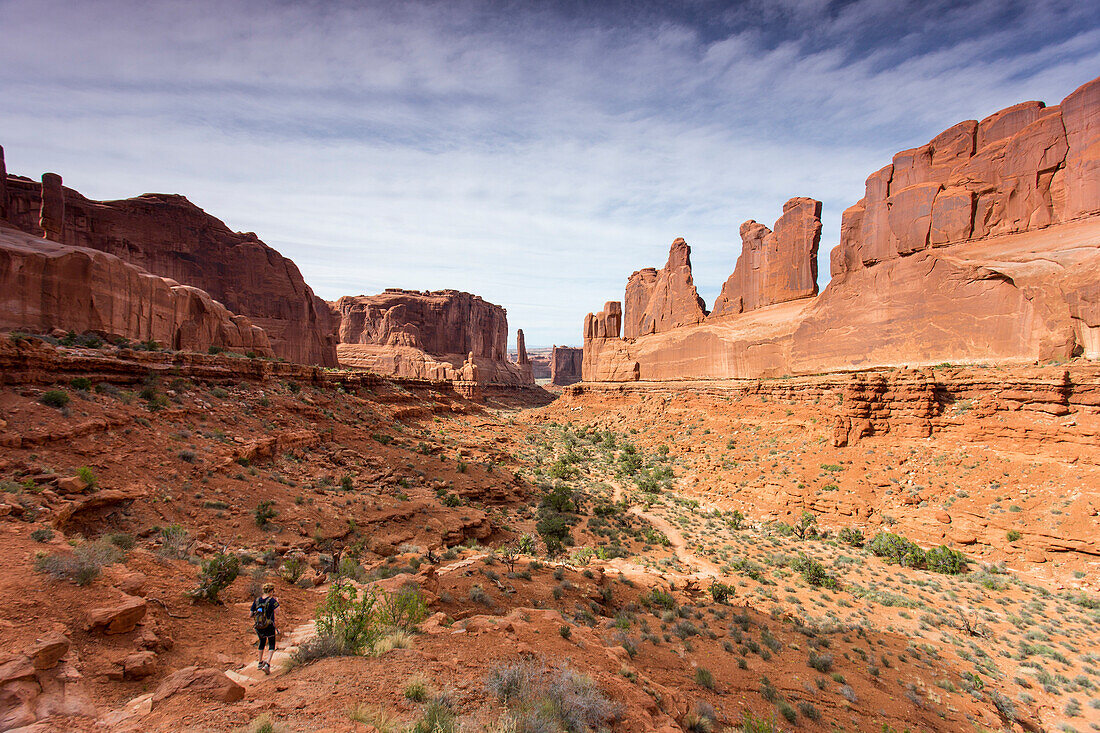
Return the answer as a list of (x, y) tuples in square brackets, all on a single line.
[(267, 638)]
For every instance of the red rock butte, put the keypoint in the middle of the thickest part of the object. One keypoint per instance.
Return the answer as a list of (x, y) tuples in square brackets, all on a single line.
[(429, 335), (158, 268), (981, 245)]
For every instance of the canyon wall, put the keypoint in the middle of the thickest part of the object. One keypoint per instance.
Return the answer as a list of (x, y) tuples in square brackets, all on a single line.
[(774, 266), (169, 236), (982, 245), (427, 335), (565, 365), (660, 300), (45, 285)]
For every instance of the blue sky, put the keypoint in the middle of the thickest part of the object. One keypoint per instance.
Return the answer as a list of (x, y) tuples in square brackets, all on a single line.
[(533, 153)]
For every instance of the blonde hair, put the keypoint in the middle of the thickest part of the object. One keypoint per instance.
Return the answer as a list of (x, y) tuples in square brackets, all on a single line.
[(268, 587)]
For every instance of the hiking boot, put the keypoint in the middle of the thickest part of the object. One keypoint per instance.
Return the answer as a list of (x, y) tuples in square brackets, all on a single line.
[(265, 667)]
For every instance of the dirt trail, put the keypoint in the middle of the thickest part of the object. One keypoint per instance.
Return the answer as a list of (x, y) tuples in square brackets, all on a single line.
[(703, 568)]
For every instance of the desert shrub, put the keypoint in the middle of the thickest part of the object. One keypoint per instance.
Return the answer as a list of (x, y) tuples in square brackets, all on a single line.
[(319, 647), (1012, 535), (347, 617), (436, 717), (122, 540), (806, 526), (416, 690), (403, 609), (813, 572), (86, 475), (720, 592), (42, 534), (851, 536), (82, 384), (175, 542), (807, 709), (83, 565), (554, 530), (544, 699), (659, 598), (216, 575), (264, 512), (704, 677), (54, 398), (752, 724), (477, 594), (896, 548), (787, 711), (292, 569), (821, 662), (943, 559)]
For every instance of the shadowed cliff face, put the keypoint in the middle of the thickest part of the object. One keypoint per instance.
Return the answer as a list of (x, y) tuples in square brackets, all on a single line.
[(169, 236), (983, 244), (45, 286)]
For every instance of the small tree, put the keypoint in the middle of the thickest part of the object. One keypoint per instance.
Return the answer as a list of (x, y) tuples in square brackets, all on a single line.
[(349, 619), (736, 519), (851, 536), (216, 575), (807, 525), (509, 554)]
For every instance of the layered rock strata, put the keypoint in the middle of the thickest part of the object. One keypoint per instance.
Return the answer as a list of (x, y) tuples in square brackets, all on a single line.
[(169, 236), (427, 335), (982, 245), (45, 286)]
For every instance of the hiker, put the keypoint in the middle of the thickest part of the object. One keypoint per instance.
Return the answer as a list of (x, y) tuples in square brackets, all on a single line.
[(263, 617)]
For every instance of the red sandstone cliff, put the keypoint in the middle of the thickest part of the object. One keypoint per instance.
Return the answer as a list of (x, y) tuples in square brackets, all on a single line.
[(660, 300), (982, 245), (45, 285), (774, 266), (427, 335), (565, 365), (169, 236)]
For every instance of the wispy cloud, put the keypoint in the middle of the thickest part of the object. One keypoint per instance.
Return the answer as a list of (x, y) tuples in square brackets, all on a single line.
[(535, 155)]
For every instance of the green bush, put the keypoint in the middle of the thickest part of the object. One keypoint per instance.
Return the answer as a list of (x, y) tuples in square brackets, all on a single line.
[(851, 536), (1012, 535), (943, 559), (55, 398), (403, 609), (82, 384), (86, 475), (216, 575), (704, 677), (264, 512), (349, 619), (896, 549), (721, 592)]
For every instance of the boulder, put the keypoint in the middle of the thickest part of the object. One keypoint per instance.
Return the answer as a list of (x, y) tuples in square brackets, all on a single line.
[(48, 651), (138, 665), (72, 485), (119, 618), (132, 584), (208, 684)]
